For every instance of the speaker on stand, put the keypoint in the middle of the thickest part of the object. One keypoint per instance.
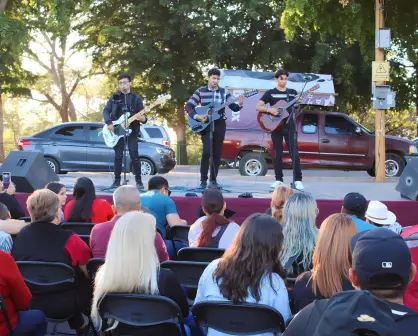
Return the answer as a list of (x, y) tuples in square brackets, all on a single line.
[(408, 181)]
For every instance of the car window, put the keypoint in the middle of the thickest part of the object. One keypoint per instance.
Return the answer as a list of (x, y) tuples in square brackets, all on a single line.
[(70, 133), (338, 125), (154, 132), (95, 134), (310, 123)]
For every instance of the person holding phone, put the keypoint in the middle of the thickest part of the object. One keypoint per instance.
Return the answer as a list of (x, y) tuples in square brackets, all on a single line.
[(7, 191)]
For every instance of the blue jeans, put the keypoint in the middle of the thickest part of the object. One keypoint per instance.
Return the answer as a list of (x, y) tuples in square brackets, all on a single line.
[(170, 250), (30, 322)]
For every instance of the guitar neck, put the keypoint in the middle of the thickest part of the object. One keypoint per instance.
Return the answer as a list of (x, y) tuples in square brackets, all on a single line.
[(140, 113), (228, 102)]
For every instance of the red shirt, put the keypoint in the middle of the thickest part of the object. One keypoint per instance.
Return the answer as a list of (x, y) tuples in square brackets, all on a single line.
[(77, 250), (13, 289), (100, 235), (101, 211), (410, 297)]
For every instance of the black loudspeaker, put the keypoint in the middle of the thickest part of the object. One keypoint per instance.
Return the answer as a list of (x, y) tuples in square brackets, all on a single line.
[(408, 181), (29, 170)]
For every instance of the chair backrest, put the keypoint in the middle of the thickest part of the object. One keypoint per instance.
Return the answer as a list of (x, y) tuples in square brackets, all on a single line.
[(187, 273), (78, 227), (5, 316), (26, 219), (93, 266), (240, 319), (202, 254), (86, 239), (180, 232), (140, 310)]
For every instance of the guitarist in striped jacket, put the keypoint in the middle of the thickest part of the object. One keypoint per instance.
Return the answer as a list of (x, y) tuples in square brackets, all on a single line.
[(203, 96)]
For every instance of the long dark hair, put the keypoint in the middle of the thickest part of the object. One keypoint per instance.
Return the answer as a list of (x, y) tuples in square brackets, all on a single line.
[(83, 195), (254, 251), (55, 187), (212, 203)]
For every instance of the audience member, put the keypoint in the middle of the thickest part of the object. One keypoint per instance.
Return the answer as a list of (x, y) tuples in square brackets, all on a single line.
[(125, 199), (158, 202), (7, 224), (8, 199), (45, 240), (331, 262), (17, 297), (214, 229), (411, 293), (61, 192), (299, 231), (6, 241), (250, 269), (132, 266), (85, 207), (278, 200), (355, 205), (378, 215), (381, 265)]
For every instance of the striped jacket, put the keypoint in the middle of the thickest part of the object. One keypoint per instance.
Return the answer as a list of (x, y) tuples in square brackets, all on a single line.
[(203, 96)]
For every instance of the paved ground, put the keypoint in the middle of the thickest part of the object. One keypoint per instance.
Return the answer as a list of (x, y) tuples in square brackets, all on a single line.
[(323, 184)]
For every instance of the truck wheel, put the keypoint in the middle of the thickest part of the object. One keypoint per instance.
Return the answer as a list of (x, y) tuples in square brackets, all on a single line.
[(394, 166), (253, 164)]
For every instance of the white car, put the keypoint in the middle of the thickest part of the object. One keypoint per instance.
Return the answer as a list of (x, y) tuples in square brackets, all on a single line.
[(155, 134)]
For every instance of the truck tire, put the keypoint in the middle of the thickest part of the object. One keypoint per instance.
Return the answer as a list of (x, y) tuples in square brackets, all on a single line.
[(253, 164), (394, 166)]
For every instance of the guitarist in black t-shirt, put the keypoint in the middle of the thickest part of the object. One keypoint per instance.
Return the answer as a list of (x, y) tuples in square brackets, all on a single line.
[(271, 97)]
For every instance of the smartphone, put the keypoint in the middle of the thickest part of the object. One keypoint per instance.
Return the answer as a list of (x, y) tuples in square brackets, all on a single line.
[(6, 180)]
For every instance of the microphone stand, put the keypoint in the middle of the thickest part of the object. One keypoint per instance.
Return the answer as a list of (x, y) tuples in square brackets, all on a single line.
[(292, 129), (125, 110), (211, 130)]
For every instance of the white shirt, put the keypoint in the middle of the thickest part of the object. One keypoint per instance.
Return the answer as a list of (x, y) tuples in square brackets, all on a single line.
[(278, 298), (226, 239)]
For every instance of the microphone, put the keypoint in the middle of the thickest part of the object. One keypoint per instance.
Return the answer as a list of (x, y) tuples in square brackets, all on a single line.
[(124, 86), (213, 84)]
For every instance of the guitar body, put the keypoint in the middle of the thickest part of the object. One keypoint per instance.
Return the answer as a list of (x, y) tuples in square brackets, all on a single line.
[(111, 138), (269, 122), (198, 126)]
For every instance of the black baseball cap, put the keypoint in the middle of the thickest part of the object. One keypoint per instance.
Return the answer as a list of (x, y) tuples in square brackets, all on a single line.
[(381, 259), (356, 312), (355, 202)]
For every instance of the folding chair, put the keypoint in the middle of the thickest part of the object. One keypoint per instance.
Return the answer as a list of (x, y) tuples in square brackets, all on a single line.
[(80, 228), (93, 266), (179, 233), (201, 254)]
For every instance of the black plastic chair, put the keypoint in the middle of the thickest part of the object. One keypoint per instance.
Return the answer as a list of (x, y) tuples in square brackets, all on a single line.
[(201, 254), (82, 229), (26, 219), (93, 266), (5, 316), (135, 312), (180, 232), (86, 239), (47, 281), (188, 274), (240, 319)]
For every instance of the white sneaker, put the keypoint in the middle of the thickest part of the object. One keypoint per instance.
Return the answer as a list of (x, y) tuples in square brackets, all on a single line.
[(276, 184), (299, 185)]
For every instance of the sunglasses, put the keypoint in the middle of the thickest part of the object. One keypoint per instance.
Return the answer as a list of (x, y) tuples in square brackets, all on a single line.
[(168, 191)]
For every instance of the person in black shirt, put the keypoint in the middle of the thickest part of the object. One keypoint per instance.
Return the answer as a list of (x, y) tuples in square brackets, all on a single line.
[(272, 97), (112, 112), (8, 199)]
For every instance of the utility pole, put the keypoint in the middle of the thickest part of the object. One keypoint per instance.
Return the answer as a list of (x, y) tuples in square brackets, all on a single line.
[(380, 153)]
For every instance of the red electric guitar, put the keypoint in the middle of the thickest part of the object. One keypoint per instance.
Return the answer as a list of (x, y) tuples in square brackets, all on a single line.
[(269, 122)]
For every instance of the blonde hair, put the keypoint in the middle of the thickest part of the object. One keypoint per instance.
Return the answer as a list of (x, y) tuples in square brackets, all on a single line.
[(332, 256), (278, 199), (299, 231), (43, 205), (131, 263)]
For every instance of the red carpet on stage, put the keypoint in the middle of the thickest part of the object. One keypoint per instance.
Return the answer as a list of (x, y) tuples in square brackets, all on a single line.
[(188, 207)]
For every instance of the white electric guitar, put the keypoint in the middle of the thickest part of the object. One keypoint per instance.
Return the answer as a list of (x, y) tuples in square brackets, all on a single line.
[(111, 138)]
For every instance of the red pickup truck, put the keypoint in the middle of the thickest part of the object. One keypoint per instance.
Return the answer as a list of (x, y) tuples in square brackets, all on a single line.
[(325, 140)]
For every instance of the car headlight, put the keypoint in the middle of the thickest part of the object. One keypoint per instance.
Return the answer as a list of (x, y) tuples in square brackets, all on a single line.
[(413, 149), (163, 151)]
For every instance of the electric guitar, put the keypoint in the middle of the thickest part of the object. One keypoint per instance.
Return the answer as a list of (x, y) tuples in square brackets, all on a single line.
[(213, 111), (269, 122), (111, 138)]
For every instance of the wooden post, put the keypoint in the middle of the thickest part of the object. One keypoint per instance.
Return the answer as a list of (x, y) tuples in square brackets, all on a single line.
[(380, 155)]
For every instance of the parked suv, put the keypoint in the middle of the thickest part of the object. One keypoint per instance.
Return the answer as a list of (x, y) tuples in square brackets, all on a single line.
[(155, 134), (325, 140), (79, 146)]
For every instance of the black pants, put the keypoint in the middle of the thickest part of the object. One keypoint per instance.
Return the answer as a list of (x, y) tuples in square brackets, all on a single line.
[(133, 153), (218, 139), (277, 138)]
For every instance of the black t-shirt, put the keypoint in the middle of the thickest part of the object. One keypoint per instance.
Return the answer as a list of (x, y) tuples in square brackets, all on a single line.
[(273, 96), (302, 294), (306, 321), (14, 207)]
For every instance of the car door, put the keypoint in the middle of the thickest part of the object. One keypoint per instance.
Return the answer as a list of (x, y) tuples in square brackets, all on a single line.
[(70, 141), (308, 135), (339, 145), (99, 156)]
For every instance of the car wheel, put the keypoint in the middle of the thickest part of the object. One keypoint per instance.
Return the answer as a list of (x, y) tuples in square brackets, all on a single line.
[(147, 167), (394, 165), (253, 164), (53, 164)]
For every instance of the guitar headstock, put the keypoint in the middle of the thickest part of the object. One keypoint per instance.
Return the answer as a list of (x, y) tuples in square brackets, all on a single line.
[(250, 93), (162, 99)]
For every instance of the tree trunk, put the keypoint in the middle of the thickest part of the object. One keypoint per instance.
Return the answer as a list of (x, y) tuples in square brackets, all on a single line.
[(180, 130), (1, 130), (416, 95), (3, 4), (71, 111)]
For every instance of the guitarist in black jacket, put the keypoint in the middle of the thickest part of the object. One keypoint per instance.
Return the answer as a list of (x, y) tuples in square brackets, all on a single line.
[(272, 97), (203, 96), (112, 112)]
